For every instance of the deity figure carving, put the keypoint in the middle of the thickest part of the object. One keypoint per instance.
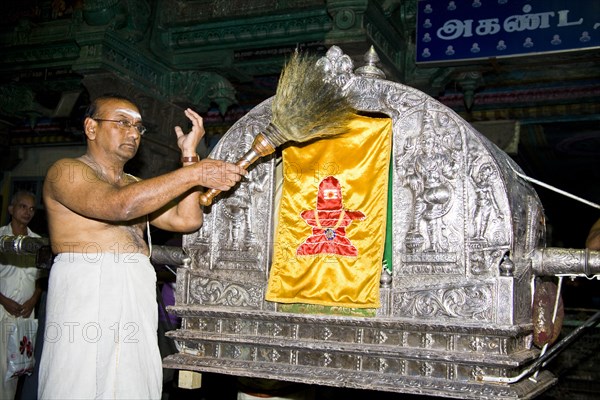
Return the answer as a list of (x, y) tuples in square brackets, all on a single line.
[(430, 182), (236, 208), (239, 207), (485, 200)]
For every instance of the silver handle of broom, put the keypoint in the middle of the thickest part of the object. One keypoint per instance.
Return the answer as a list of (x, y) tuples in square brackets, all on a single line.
[(261, 146)]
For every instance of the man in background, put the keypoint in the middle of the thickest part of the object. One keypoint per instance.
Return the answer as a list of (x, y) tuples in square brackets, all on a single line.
[(20, 287)]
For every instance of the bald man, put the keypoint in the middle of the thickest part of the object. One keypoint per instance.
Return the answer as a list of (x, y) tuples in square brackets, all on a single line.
[(101, 315)]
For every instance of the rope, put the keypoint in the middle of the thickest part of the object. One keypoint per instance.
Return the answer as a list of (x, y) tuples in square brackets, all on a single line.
[(555, 189)]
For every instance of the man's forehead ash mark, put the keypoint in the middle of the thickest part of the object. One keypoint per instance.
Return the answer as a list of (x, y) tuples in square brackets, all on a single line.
[(127, 111)]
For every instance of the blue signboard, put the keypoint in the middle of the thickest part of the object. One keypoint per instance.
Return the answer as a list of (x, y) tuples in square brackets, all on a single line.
[(450, 31)]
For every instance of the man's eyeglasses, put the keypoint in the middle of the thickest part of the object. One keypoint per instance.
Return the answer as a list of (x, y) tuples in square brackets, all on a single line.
[(125, 124)]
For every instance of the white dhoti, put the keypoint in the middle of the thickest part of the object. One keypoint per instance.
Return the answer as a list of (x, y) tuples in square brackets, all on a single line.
[(100, 340)]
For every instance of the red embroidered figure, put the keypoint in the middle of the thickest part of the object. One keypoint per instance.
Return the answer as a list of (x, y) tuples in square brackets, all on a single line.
[(329, 222)]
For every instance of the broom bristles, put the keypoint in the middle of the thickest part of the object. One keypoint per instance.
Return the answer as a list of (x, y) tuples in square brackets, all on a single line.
[(306, 105)]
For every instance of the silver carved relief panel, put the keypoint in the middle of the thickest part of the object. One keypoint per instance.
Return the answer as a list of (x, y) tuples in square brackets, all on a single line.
[(232, 250), (455, 303)]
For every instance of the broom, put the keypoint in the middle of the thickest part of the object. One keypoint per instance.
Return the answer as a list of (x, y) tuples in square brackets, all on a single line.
[(306, 106)]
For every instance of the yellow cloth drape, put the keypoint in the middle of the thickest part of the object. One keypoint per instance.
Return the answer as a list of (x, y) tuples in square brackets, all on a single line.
[(333, 257)]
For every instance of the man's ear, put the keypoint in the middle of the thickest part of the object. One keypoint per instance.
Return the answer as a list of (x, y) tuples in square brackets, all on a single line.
[(10, 210), (89, 127)]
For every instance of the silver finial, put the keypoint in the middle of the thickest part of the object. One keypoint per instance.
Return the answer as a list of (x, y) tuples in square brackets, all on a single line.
[(370, 69)]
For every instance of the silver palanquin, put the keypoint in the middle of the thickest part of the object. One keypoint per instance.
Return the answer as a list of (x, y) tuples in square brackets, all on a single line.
[(468, 241)]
